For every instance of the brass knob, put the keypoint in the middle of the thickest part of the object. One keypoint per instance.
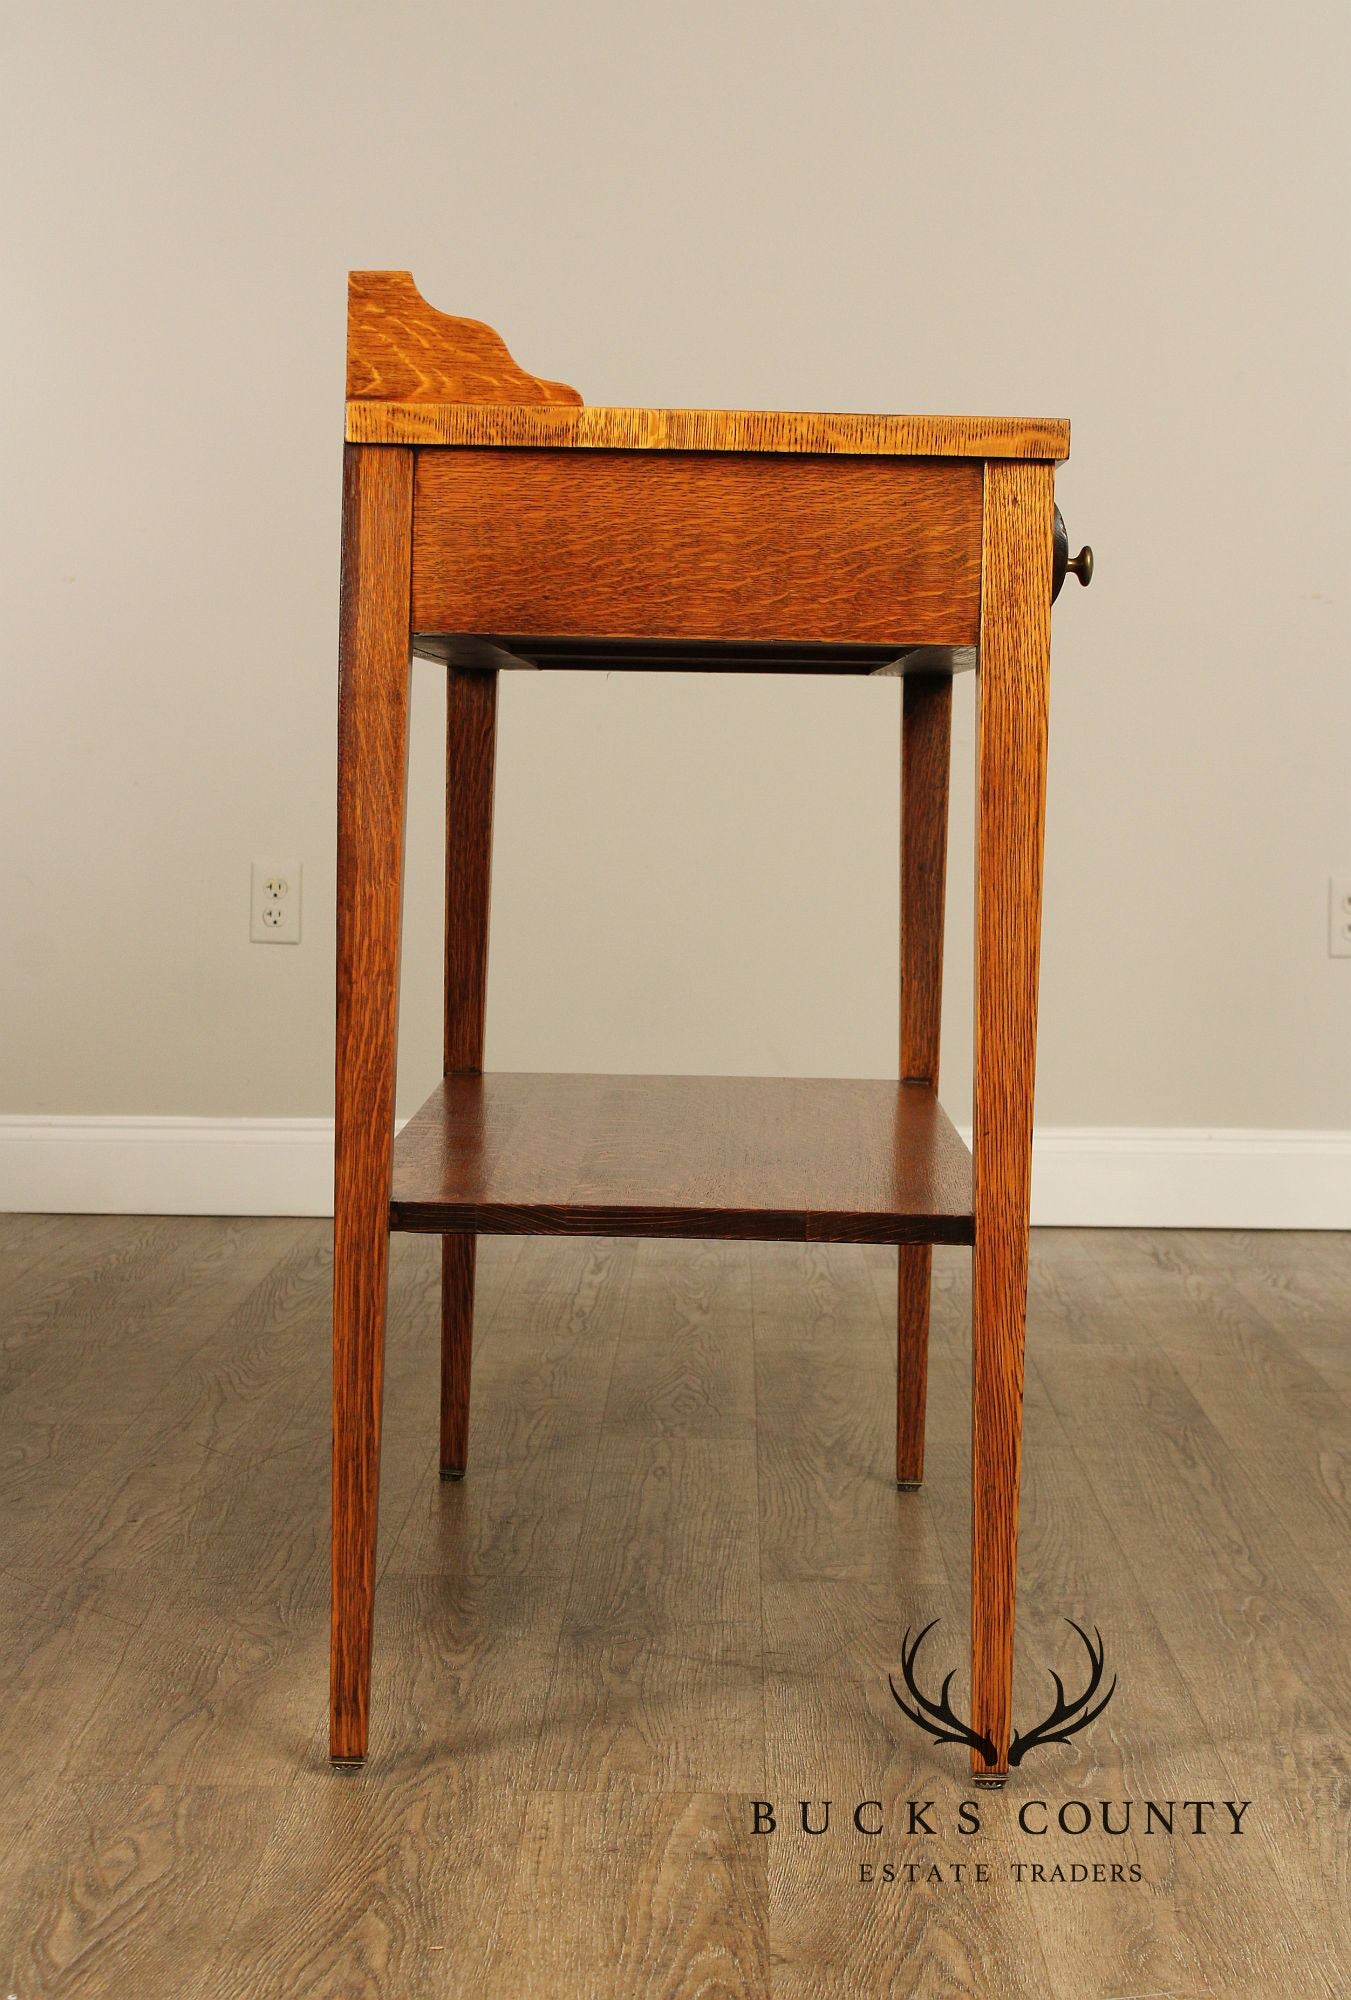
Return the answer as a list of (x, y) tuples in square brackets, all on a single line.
[(1061, 562)]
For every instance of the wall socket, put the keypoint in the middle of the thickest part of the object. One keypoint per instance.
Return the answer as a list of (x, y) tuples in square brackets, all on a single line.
[(274, 906), (1339, 917)]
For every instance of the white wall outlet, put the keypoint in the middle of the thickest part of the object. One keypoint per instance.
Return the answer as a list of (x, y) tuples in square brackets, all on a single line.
[(1339, 917), (274, 907)]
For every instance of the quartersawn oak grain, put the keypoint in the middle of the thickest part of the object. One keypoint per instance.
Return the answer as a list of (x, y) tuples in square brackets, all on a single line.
[(593, 427), (422, 377), (683, 546), (789, 1158), (401, 350), (374, 657), (656, 538), (1012, 697), (926, 745), (471, 749)]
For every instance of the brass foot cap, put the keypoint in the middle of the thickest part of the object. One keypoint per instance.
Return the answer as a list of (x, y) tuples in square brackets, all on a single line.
[(452, 1472), (991, 1782), (347, 1763), (908, 1485)]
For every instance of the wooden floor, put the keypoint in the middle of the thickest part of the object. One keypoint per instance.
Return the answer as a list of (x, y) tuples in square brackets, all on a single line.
[(674, 1582)]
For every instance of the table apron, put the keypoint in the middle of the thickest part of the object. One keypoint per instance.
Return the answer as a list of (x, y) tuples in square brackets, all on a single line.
[(697, 546)]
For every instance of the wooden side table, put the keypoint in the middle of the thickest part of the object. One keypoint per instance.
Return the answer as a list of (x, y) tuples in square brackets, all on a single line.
[(491, 519)]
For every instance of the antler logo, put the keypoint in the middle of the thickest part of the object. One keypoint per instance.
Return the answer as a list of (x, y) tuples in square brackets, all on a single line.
[(937, 1719)]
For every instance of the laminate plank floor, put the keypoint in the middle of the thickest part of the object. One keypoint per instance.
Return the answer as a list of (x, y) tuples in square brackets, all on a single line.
[(674, 1583)]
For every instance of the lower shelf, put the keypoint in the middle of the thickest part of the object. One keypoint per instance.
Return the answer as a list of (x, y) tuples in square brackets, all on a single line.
[(822, 1159)]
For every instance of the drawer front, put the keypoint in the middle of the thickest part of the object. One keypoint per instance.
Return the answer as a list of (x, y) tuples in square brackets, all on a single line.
[(697, 546)]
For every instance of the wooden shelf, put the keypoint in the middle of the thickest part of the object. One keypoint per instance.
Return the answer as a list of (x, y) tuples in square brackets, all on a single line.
[(796, 1160)]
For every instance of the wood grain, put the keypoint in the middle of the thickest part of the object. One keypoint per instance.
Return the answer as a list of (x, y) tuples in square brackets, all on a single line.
[(542, 1371), (458, 1258), (681, 546), (400, 350), (453, 1866), (533, 421), (471, 745), (1177, 1933), (926, 746), (831, 1158), (828, 1503), (146, 1877), (58, 1337), (685, 1367), (471, 755), (1218, 1557), (1012, 698), (372, 783), (376, 1893), (926, 756), (678, 1908), (700, 530)]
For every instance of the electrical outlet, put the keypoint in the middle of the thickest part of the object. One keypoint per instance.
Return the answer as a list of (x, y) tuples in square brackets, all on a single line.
[(274, 907), (1339, 917)]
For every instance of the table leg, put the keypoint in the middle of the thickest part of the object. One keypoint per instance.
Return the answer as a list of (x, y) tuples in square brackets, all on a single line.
[(372, 783), (926, 739), (1011, 790), (471, 740)]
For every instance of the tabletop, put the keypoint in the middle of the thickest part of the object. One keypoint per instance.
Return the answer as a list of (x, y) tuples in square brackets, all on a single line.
[(416, 376)]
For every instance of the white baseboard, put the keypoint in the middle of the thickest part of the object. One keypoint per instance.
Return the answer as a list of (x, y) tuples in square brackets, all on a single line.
[(1142, 1177), (167, 1166), (1083, 1176)]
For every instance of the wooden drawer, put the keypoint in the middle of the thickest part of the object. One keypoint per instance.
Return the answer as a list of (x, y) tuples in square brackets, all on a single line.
[(697, 546)]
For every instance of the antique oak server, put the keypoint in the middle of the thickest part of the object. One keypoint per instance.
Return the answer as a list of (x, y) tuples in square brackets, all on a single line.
[(492, 519)]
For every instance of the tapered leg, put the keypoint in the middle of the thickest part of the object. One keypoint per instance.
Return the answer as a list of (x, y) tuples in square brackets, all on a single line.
[(457, 1344), (926, 739), (372, 781), (1011, 791), (471, 739)]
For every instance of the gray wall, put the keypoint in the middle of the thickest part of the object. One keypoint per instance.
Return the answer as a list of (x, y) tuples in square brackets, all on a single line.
[(1134, 217)]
